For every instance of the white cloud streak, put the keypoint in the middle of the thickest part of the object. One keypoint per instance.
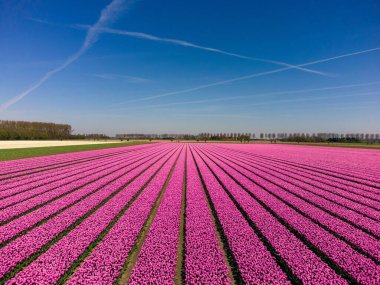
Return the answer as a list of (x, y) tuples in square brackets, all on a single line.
[(129, 78), (187, 44), (269, 103), (250, 76), (209, 49), (316, 98), (233, 98), (107, 15)]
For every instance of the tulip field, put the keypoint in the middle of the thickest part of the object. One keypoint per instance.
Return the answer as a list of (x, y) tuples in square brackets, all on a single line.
[(192, 213)]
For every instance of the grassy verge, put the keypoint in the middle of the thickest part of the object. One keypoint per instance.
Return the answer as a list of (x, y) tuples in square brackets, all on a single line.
[(16, 153)]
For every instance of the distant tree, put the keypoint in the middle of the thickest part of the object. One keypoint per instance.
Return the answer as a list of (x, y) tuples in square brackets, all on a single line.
[(33, 130)]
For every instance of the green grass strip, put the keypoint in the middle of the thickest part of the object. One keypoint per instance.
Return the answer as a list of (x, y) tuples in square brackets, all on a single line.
[(17, 153)]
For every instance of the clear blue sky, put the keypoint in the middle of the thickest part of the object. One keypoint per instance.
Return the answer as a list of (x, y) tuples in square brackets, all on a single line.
[(61, 61)]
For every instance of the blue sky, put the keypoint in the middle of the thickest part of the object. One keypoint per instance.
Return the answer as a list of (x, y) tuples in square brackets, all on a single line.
[(192, 66)]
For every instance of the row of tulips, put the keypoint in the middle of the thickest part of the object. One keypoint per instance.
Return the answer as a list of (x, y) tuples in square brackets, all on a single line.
[(255, 263), (368, 243), (281, 241), (352, 161), (356, 213), (340, 160), (252, 214), (360, 167), (57, 259), (330, 188), (68, 202), (48, 167), (343, 257), (104, 264), (43, 195), (45, 177), (83, 174), (337, 205), (338, 183), (204, 261), (32, 242), (343, 183), (60, 161), (157, 259), (16, 196)]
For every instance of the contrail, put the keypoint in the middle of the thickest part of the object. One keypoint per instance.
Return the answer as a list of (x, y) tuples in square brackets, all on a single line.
[(187, 44), (373, 104), (192, 45), (274, 102), (218, 83), (107, 15), (259, 95), (314, 98)]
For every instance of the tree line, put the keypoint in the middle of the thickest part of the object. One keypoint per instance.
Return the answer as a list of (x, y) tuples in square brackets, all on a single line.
[(273, 137), (199, 137), (23, 130), (226, 136), (90, 136)]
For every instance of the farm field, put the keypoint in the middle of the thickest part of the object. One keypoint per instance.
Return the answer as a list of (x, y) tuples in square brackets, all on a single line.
[(46, 143), (35, 148), (348, 145), (177, 213)]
